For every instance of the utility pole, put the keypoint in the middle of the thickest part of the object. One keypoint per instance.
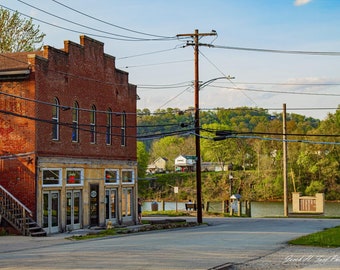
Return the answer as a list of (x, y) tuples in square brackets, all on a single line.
[(285, 149), (196, 45)]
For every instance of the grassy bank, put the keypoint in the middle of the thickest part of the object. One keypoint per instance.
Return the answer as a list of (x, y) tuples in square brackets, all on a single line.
[(326, 238)]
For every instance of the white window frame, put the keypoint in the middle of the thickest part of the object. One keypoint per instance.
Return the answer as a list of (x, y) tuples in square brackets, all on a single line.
[(123, 129), (117, 176), (132, 178), (75, 122), (81, 176), (59, 179), (93, 120), (108, 132), (55, 120)]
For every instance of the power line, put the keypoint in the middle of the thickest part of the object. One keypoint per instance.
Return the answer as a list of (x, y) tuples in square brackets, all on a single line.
[(164, 86), (227, 133), (228, 78), (114, 25), (82, 127), (291, 84), (282, 140), (270, 109), (75, 23), (273, 51), (158, 64), (79, 32), (277, 92), (147, 53)]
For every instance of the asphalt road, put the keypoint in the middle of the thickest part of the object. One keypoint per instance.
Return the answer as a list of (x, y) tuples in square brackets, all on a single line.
[(230, 243)]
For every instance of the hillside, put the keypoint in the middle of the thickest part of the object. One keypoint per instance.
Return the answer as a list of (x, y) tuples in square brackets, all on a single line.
[(253, 146)]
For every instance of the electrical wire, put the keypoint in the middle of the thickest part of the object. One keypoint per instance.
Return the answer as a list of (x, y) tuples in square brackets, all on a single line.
[(79, 32), (283, 140), (147, 53), (291, 84), (273, 51), (80, 127), (75, 23), (165, 86), (114, 25), (171, 99), (277, 92), (227, 78), (157, 64), (234, 132)]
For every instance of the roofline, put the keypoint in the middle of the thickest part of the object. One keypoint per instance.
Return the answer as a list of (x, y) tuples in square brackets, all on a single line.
[(14, 74)]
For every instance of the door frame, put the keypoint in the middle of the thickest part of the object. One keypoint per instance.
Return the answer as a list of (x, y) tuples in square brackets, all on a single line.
[(72, 225), (50, 228), (94, 204), (108, 208)]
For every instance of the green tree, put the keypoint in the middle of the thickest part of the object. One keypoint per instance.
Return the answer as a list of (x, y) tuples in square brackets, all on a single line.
[(143, 158), (171, 147), (18, 34), (315, 187)]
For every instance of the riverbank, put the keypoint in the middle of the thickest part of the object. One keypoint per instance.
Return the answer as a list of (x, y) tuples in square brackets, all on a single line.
[(257, 209)]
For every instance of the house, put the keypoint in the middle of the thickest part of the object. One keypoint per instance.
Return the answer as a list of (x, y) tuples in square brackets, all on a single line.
[(184, 163), (68, 138), (158, 165), (213, 167)]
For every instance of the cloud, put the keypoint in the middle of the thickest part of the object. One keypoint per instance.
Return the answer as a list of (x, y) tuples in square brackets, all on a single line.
[(301, 2)]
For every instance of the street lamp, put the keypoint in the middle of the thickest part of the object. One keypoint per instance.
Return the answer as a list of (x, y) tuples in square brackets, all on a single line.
[(215, 79), (197, 132)]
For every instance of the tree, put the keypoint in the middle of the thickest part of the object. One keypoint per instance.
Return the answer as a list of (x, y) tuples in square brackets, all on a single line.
[(18, 34), (143, 158), (172, 147)]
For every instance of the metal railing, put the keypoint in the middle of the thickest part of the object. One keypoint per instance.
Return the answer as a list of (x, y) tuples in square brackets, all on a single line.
[(15, 213)]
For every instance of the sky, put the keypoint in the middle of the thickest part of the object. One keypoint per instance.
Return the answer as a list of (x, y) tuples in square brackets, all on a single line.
[(276, 51)]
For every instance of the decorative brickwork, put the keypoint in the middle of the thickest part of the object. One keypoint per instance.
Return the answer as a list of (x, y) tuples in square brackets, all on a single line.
[(38, 91)]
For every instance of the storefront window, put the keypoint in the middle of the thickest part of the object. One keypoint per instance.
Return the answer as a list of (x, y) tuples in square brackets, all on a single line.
[(74, 176), (111, 177), (51, 177), (127, 176)]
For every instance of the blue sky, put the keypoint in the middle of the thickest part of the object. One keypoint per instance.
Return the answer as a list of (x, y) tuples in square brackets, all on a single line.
[(262, 79)]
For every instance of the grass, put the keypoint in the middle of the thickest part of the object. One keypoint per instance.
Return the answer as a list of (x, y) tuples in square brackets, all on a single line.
[(116, 231), (98, 234), (169, 213), (326, 238)]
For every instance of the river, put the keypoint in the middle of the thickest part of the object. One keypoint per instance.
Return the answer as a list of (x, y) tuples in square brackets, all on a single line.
[(258, 209)]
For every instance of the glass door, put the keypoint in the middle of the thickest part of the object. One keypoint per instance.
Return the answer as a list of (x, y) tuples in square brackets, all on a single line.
[(73, 209), (127, 204), (94, 205), (51, 210), (111, 204)]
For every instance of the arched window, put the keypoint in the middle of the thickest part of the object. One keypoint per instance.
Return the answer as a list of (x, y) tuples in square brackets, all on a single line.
[(93, 124), (75, 122), (55, 119), (123, 129), (109, 127)]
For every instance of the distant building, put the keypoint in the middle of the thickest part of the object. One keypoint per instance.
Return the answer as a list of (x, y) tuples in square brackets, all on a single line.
[(68, 136), (158, 166), (213, 167), (184, 163)]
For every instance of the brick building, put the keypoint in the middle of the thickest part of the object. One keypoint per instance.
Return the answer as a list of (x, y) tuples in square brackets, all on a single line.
[(68, 136)]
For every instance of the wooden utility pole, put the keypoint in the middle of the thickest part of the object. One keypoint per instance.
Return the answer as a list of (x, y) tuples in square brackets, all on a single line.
[(285, 188), (196, 45)]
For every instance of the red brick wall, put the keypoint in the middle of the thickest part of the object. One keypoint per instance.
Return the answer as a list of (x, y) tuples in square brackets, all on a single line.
[(83, 73), (17, 141)]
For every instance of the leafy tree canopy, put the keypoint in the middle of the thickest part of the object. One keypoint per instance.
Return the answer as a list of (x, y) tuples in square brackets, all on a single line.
[(18, 34)]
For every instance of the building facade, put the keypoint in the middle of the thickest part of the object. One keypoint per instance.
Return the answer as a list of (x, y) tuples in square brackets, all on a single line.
[(68, 136)]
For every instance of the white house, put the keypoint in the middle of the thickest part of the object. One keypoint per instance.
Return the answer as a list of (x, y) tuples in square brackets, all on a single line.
[(185, 163)]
